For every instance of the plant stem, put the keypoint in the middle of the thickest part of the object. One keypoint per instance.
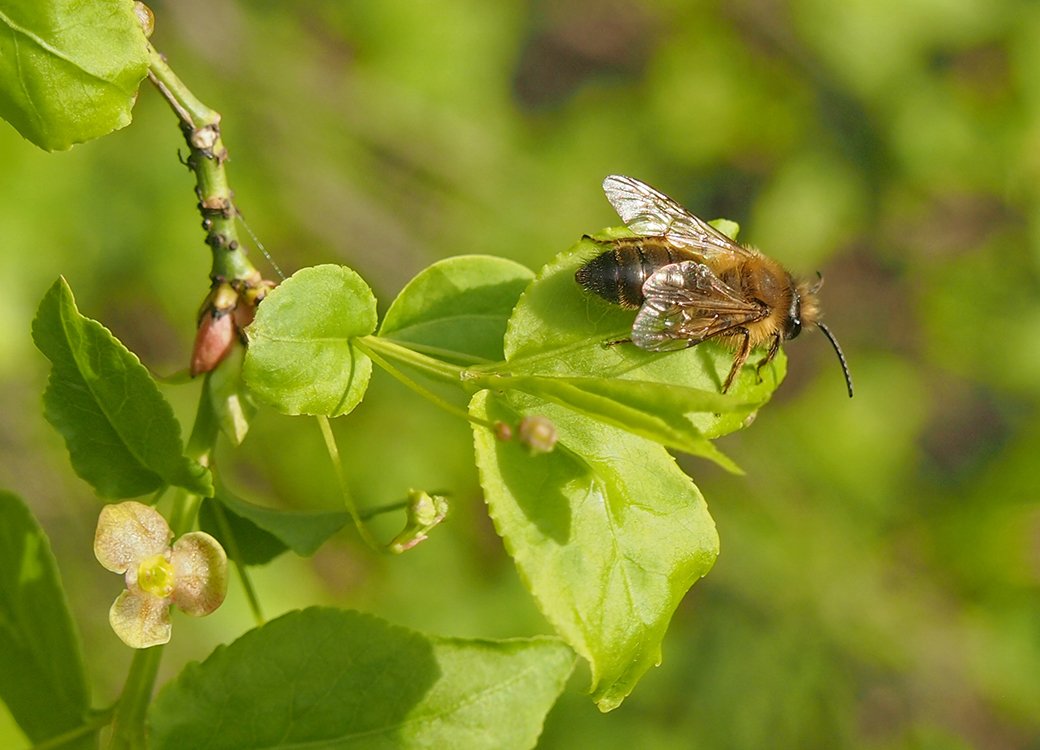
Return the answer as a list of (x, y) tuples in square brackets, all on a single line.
[(97, 720), (369, 513), (423, 363), (341, 477), (128, 731), (201, 127), (435, 368), (200, 446), (236, 556)]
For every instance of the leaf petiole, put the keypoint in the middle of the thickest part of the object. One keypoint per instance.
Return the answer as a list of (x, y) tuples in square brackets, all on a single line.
[(236, 556), (424, 363), (341, 477), (431, 366)]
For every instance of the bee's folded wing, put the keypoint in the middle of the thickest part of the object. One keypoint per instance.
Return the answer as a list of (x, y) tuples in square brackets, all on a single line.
[(685, 304)]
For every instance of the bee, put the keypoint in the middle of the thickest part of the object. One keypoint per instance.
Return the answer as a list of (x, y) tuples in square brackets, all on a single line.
[(691, 283)]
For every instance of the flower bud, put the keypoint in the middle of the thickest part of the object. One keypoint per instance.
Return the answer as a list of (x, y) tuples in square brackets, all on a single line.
[(213, 341), (537, 433), (424, 512), (503, 432)]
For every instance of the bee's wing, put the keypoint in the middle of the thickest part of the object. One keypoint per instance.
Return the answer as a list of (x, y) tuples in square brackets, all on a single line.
[(685, 304), (648, 212)]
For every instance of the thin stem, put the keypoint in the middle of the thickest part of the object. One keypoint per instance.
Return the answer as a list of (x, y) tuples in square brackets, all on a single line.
[(200, 446), (98, 720), (236, 557), (369, 513), (182, 517), (529, 362), (188, 107), (422, 390), (128, 731), (205, 428), (341, 477), (446, 355), (435, 368)]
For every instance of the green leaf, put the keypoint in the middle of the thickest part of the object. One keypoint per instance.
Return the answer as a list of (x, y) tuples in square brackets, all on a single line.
[(606, 531), (656, 411), (332, 678), (121, 434), (301, 359), (69, 70), (42, 679), (559, 329), (262, 534), (458, 306)]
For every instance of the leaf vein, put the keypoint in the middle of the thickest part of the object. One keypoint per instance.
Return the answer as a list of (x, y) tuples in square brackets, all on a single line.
[(59, 54)]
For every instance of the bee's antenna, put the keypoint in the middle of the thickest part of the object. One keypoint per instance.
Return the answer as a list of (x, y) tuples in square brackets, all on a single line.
[(841, 355), (819, 283)]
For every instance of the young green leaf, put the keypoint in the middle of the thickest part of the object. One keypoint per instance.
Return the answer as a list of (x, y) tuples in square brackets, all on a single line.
[(332, 678), (559, 329), (606, 531), (261, 534), (301, 359), (458, 306), (69, 70), (121, 434), (42, 679)]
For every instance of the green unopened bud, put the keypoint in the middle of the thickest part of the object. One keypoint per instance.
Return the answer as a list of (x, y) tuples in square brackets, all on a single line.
[(424, 512)]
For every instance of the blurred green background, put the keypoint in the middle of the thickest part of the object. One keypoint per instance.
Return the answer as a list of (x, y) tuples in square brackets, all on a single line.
[(879, 582)]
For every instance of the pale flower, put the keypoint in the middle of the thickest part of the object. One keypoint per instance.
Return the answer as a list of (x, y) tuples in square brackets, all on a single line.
[(134, 539)]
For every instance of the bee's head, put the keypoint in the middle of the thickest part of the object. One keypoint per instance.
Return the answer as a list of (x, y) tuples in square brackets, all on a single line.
[(805, 310)]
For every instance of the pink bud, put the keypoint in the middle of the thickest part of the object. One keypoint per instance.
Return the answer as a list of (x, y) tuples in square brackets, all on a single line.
[(213, 341)]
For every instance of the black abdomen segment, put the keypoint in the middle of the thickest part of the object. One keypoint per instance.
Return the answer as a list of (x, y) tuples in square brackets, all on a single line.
[(618, 274)]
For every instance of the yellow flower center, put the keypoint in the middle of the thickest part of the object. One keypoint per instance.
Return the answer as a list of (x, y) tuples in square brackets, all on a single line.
[(155, 576)]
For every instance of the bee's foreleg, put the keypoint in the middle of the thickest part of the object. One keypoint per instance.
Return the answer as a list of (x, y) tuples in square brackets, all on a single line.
[(615, 342), (740, 358), (773, 349)]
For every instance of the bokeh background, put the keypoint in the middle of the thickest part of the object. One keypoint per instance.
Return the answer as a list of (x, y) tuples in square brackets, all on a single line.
[(879, 582)]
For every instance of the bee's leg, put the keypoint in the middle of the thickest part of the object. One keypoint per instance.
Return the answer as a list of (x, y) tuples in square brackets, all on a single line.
[(739, 359), (615, 342), (773, 349)]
